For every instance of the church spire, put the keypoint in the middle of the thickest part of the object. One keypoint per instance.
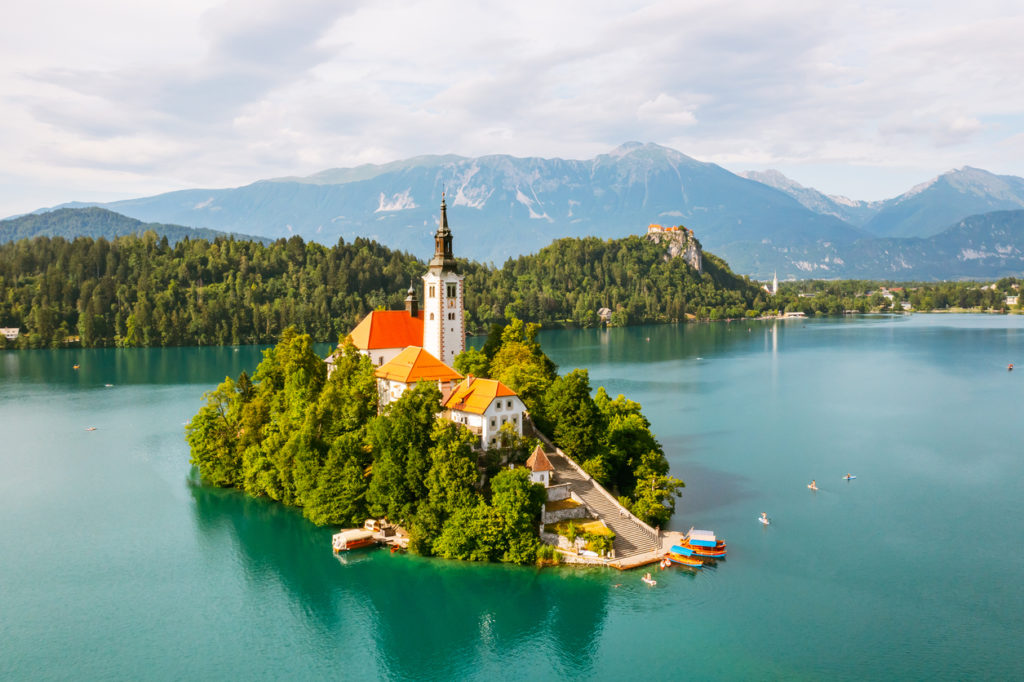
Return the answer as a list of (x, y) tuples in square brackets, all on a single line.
[(443, 258)]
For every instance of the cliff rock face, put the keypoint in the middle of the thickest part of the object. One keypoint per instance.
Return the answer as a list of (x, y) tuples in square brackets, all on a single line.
[(681, 244)]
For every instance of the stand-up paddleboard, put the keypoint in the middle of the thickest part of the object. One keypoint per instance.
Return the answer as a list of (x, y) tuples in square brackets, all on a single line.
[(849, 478), (649, 581), (812, 487), (763, 520)]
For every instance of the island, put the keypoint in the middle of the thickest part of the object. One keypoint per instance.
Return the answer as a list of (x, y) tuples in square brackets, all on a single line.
[(403, 422)]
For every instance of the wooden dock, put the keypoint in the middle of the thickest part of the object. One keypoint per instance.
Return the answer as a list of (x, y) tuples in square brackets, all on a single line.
[(668, 538)]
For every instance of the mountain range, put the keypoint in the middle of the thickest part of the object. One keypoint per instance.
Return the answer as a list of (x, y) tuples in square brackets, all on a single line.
[(502, 206)]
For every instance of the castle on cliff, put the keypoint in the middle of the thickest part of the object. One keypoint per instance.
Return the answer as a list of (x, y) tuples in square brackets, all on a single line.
[(681, 243)]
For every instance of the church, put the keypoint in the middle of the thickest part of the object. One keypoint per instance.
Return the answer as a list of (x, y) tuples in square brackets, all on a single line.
[(412, 345)]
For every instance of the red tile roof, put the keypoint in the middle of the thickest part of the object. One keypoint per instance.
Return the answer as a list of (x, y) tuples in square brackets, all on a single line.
[(539, 461), (415, 364), (474, 395), (388, 329)]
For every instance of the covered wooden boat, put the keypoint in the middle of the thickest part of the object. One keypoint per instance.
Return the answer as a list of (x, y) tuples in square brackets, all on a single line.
[(351, 539), (684, 560), (703, 543)]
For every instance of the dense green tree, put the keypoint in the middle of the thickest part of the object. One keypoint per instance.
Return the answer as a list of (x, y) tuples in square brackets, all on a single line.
[(212, 436), (340, 493), (575, 420), (520, 364), (451, 481), (472, 362), (656, 491), (517, 501), (401, 441)]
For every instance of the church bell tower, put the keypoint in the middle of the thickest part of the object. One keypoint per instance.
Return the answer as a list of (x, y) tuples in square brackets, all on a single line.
[(444, 333)]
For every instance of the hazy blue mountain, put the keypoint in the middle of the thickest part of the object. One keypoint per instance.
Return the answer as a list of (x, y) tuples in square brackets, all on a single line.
[(502, 206), (95, 222), (922, 211), (986, 246), (853, 211), (926, 209)]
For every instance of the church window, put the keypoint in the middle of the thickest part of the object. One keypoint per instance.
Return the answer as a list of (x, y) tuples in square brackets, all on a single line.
[(433, 291), (451, 290)]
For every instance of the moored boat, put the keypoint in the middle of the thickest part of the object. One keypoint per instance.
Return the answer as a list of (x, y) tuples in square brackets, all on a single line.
[(684, 560), (703, 543), (351, 539), (717, 552)]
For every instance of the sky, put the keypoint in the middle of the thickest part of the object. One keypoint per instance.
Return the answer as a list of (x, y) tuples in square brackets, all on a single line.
[(108, 99)]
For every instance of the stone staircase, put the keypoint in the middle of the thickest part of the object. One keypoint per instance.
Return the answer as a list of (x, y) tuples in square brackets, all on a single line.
[(631, 538)]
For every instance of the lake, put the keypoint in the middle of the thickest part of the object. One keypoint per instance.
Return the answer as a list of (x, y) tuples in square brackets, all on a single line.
[(118, 564)]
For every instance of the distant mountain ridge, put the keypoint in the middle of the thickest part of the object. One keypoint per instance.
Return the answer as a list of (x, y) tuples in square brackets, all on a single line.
[(987, 246), (503, 206), (945, 199), (922, 211), (97, 222)]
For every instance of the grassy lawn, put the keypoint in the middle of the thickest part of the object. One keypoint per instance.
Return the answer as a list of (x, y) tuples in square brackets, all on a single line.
[(582, 526), (567, 503)]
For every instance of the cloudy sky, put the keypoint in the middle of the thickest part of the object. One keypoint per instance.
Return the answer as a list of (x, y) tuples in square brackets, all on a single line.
[(111, 99)]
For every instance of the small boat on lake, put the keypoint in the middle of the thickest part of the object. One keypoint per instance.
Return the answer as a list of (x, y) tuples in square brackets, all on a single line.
[(75, 367), (683, 558), (90, 428), (350, 539), (649, 580), (702, 543)]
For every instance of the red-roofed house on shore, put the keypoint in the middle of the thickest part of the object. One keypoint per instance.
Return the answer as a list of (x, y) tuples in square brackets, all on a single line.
[(540, 467), (484, 405), (408, 368)]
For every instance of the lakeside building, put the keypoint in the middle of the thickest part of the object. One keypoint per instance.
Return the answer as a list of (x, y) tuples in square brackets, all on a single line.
[(10, 333), (484, 406)]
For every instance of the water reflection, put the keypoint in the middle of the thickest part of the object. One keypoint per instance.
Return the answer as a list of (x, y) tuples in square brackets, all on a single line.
[(426, 616)]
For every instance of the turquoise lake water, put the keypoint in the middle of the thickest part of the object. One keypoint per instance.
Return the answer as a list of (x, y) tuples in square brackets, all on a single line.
[(115, 563)]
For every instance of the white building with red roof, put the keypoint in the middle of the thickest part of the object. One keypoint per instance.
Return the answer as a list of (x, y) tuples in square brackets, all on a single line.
[(409, 367), (540, 467), (439, 328), (484, 405)]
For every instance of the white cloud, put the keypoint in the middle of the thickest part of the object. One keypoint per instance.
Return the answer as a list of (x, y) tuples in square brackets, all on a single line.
[(666, 110), (113, 99)]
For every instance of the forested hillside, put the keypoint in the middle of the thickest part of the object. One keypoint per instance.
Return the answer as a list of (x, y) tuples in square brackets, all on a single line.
[(98, 222), (144, 291), (572, 278)]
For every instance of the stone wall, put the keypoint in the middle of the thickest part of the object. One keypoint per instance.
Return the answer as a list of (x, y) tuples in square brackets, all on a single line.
[(559, 492), (580, 512)]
